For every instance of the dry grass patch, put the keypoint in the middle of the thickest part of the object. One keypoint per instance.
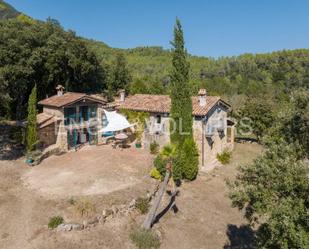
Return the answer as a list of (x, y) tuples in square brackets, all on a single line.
[(84, 207)]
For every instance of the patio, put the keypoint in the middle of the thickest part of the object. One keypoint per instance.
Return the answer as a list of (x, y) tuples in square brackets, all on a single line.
[(93, 170)]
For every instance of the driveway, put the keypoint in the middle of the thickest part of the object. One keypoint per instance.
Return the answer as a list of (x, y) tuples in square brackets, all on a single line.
[(90, 171)]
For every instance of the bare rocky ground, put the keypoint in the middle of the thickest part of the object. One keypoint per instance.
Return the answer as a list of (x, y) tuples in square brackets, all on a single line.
[(205, 218)]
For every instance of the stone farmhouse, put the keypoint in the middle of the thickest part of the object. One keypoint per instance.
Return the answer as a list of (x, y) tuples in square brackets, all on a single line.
[(213, 130), (72, 119)]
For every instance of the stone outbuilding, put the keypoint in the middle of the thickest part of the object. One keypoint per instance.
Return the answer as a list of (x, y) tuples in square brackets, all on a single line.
[(70, 119)]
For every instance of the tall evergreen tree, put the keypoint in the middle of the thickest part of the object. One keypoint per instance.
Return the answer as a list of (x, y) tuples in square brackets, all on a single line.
[(32, 136), (186, 163), (181, 104)]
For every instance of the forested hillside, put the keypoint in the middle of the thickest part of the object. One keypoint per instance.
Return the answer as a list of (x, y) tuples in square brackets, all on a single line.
[(235, 78), (7, 11), (42, 53), (245, 74)]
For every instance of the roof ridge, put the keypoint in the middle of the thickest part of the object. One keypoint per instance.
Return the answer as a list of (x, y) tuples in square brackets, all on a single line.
[(166, 95)]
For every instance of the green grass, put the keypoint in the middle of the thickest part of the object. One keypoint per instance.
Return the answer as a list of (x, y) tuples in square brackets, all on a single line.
[(144, 239), (224, 157)]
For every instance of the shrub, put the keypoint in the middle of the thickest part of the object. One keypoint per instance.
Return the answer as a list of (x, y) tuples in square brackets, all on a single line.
[(224, 157), (160, 165), (142, 204), (55, 221), (178, 168), (144, 239), (155, 174), (84, 207), (154, 148), (189, 159)]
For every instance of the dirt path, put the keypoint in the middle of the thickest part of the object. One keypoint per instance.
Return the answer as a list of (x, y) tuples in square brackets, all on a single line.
[(91, 171), (205, 219)]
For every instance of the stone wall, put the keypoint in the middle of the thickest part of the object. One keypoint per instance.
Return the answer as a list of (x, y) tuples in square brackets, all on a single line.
[(156, 132), (217, 142), (212, 145), (58, 112), (58, 128), (62, 137), (48, 135)]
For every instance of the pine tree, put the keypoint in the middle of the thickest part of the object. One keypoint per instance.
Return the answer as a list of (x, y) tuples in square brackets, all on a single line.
[(32, 136), (181, 104)]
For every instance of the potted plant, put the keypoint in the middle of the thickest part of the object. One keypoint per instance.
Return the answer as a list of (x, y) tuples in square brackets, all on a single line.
[(33, 157), (29, 158)]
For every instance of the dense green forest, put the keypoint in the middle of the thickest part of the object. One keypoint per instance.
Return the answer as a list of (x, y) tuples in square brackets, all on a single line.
[(35, 52), (42, 53)]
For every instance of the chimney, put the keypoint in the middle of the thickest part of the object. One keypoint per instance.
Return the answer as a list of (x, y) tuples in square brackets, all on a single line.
[(202, 94), (122, 95), (60, 90)]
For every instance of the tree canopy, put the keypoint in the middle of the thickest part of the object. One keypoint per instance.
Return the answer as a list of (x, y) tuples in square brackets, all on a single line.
[(42, 53), (274, 190)]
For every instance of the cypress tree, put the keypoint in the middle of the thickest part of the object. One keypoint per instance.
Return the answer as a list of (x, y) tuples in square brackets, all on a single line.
[(32, 136), (181, 104), (186, 162)]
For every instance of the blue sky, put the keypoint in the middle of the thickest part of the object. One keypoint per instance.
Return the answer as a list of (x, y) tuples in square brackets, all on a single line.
[(212, 28)]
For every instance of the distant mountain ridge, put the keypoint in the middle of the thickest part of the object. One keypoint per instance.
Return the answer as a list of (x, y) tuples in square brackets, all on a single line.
[(7, 11)]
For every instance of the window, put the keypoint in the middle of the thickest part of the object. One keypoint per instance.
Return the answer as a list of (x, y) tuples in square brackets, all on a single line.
[(93, 111), (69, 115), (158, 119), (84, 113), (87, 112)]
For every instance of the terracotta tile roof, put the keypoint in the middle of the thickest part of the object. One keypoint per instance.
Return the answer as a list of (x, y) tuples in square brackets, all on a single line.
[(147, 102), (44, 120), (68, 98), (43, 117), (59, 101), (99, 97), (198, 110), (162, 103)]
